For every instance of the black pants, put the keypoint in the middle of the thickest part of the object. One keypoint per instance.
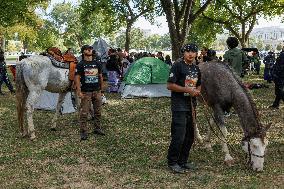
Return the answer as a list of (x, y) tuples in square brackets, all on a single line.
[(279, 92), (4, 78), (182, 133), (257, 68)]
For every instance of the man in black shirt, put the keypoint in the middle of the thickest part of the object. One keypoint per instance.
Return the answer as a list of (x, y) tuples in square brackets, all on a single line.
[(278, 78), (88, 81), (184, 82)]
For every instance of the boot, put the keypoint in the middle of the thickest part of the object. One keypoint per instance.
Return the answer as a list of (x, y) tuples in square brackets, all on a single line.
[(84, 135)]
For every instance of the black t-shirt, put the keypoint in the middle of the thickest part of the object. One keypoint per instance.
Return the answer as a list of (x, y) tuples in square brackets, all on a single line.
[(183, 74), (89, 75)]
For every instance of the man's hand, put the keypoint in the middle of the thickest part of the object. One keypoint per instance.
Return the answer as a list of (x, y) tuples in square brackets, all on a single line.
[(193, 92), (80, 94)]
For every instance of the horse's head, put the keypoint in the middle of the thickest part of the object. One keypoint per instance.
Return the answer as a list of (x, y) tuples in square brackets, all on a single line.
[(255, 149)]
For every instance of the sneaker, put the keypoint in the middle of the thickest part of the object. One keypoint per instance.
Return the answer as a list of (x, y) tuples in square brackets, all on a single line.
[(177, 169), (189, 166), (84, 135), (274, 107), (99, 132), (227, 114), (104, 100)]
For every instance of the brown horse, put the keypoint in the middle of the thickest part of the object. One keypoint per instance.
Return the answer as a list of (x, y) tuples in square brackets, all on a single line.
[(221, 90)]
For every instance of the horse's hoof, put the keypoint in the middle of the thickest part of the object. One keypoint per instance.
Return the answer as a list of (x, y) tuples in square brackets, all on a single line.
[(32, 137), (199, 140), (209, 148), (24, 135), (230, 162), (53, 129)]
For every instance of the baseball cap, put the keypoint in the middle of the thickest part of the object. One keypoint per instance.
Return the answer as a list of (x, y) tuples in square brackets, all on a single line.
[(189, 47), (84, 47)]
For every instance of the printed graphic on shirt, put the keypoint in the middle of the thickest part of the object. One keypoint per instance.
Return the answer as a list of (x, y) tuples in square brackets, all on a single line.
[(91, 75), (191, 79)]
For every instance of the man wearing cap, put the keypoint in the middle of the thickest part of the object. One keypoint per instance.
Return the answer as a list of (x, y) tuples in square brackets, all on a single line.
[(184, 82), (88, 81)]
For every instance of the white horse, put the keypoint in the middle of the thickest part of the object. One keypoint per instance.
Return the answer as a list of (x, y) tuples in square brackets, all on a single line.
[(35, 74)]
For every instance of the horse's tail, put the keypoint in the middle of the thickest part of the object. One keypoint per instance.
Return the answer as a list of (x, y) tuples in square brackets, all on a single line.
[(21, 94)]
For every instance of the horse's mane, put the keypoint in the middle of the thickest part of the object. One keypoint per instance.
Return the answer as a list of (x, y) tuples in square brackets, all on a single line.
[(246, 91)]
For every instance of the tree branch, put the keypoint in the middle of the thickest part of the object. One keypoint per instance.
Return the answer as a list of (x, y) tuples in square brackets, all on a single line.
[(185, 24), (251, 27), (225, 23), (200, 11), (231, 12), (177, 15), (129, 10)]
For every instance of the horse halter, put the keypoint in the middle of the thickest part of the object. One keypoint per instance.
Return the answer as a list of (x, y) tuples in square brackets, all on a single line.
[(250, 154)]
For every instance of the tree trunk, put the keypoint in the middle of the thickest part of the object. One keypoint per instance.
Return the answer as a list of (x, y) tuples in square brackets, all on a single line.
[(2, 41), (177, 44), (180, 17), (243, 42), (243, 35), (25, 45), (177, 39), (127, 37)]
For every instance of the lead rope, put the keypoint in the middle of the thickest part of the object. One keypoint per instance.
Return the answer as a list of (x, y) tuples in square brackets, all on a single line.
[(193, 115), (249, 153), (209, 114)]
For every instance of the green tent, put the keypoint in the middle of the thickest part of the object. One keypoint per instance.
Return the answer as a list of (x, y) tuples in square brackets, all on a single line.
[(147, 70)]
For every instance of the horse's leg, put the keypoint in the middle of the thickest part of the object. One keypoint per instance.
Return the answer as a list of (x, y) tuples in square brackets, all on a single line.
[(197, 134), (228, 158), (219, 117), (58, 107), (208, 145), (32, 99), (25, 132)]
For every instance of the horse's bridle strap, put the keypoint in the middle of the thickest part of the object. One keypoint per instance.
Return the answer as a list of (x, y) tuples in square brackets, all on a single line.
[(259, 156), (252, 154)]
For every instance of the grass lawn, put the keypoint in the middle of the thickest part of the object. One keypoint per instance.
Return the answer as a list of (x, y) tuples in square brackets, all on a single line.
[(133, 153)]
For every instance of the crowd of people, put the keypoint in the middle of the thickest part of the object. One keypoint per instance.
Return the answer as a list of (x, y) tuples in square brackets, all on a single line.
[(184, 82)]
